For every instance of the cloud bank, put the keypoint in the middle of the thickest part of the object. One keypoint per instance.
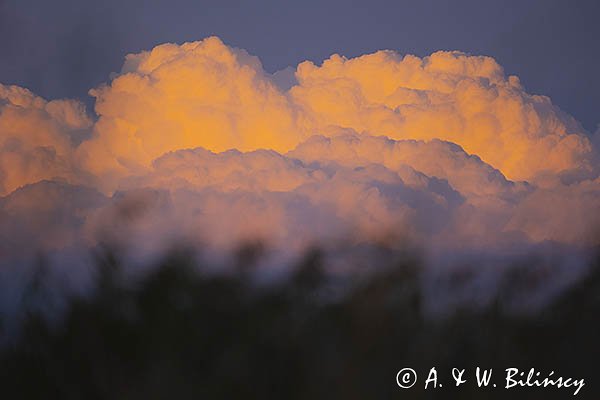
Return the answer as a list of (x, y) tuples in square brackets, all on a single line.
[(197, 143)]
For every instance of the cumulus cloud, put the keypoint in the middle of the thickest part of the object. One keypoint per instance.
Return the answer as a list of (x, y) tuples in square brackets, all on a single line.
[(283, 196), (37, 137), (176, 97), (206, 94), (46, 216), (451, 96), (197, 143)]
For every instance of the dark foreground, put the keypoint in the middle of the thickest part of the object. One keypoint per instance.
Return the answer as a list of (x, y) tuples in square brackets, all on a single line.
[(181, 334)]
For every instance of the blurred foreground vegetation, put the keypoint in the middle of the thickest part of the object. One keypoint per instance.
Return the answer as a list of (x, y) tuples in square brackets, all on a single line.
[(181, 333)]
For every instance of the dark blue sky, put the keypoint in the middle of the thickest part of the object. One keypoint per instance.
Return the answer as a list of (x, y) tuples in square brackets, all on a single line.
[(62, 48)]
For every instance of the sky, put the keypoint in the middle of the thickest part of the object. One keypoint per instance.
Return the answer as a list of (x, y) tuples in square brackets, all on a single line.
[(61, 49), (462, 129), (463, 132)]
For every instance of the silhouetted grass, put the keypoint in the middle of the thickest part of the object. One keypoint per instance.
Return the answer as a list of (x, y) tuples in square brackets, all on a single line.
[(180, 332)]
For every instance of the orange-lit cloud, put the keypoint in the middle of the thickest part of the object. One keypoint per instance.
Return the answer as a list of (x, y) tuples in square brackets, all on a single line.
[(206, 94), (451, 96), (445, 150), (37, 137), (176, 97)]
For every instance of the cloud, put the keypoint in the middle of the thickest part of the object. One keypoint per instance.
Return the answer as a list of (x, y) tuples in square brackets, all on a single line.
[(197, 143), (176, 97), (46, 216), (450, 96), (282, 196), (206, 94), (37, 138), (443, 160)]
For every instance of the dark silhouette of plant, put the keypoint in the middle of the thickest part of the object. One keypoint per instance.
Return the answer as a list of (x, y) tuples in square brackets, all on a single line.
[(181, 332)]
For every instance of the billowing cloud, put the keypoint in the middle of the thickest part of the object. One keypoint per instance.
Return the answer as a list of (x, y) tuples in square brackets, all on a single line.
[(206, 94), (37, 137), (176, 97), (451, 96), (46, 216), (197, 143), (288, 200)]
